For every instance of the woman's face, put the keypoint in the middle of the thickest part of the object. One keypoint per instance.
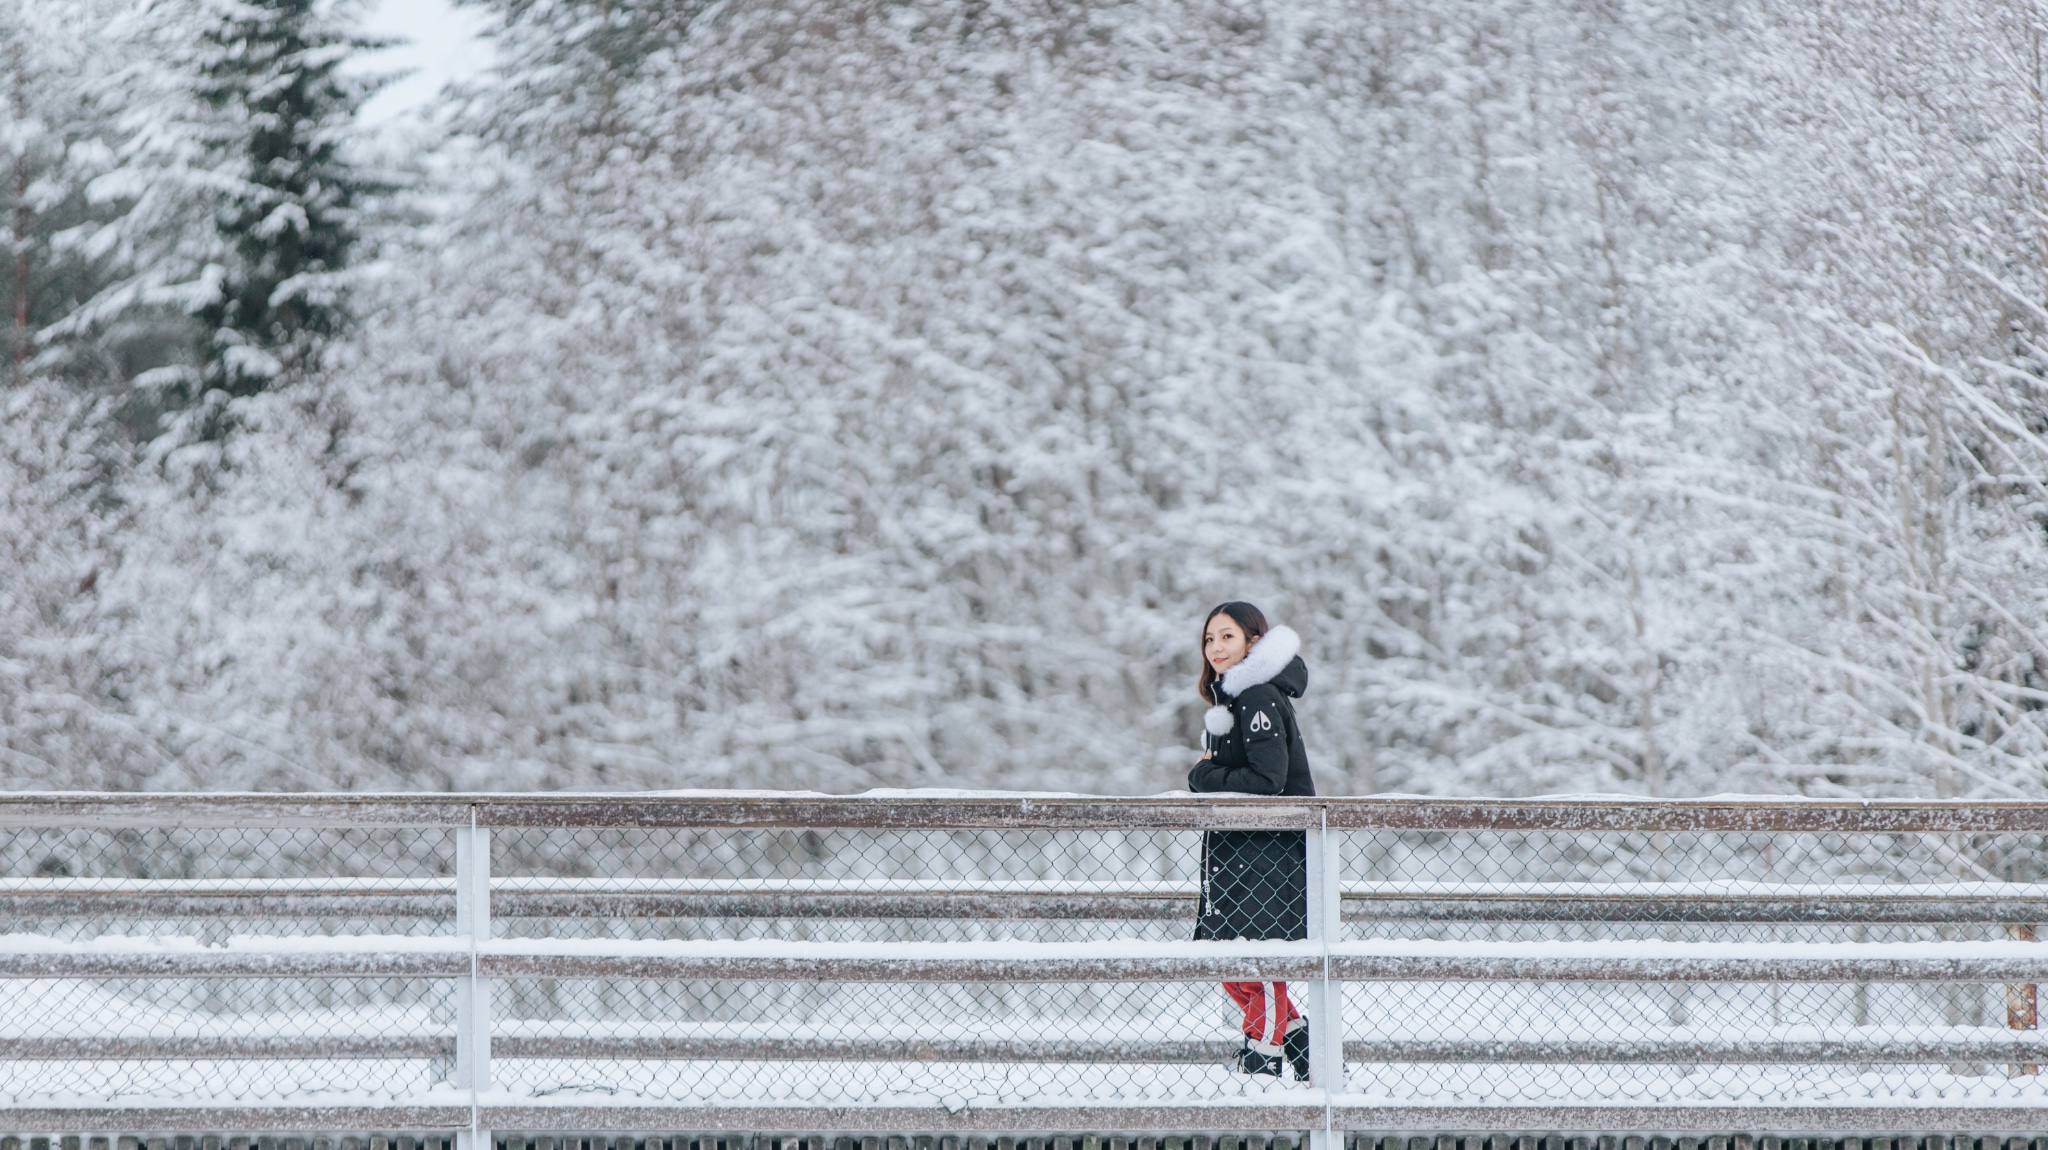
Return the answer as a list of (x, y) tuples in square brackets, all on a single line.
[(1223, 643)]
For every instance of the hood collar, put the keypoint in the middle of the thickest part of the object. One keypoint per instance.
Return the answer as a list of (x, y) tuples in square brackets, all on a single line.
[(1267, 658)]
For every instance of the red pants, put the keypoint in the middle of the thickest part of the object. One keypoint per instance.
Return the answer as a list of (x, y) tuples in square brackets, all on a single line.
[(1268, 1013)]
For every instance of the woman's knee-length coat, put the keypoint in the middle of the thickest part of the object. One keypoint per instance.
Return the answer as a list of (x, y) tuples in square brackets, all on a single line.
[(1255, 883)]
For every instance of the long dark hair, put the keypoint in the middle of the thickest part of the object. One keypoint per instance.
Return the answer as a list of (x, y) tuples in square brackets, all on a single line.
[(1244, 615)]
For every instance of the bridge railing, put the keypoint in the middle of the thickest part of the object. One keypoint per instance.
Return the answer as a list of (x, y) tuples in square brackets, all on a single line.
[(980, 963)]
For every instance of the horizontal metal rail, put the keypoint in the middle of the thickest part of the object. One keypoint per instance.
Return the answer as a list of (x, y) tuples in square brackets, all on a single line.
[(974, 899), (1699, 902), (1840, 909), (235, 964), (1821, 1118), (603, 1116), (1223, 966), (272, 907), (344, 956), (214, 1118), (235, 1048), (941, 811), (2030, 1048), (1024, 962)]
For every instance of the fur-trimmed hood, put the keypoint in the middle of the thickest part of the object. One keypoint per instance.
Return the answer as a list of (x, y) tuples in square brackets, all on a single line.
[(1275, 659)]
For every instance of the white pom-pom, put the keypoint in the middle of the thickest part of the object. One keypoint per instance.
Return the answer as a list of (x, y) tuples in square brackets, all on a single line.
[(1217, 720)]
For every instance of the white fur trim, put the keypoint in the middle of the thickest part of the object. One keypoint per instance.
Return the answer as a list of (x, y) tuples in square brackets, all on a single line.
[(1217, 720), (1267, 658)]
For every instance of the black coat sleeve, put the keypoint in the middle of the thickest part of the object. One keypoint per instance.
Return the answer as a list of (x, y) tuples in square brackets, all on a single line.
[(1263, 769)]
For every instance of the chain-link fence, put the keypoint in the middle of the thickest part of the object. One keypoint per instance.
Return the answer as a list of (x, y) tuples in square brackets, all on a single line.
[(1744, 895), (1018, 963)]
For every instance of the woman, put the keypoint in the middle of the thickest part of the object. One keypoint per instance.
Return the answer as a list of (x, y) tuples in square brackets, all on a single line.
[(1255, 883)]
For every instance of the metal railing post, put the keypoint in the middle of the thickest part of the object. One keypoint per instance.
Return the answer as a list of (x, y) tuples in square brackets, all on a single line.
[(2022, 1006), (1325, 996), (473, 993)]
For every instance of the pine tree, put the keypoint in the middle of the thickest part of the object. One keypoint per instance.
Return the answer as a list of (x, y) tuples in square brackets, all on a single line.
[(58, 124), (270, 77)]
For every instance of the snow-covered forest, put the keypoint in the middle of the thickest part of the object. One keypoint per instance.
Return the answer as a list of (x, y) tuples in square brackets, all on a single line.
[(1629, 395)]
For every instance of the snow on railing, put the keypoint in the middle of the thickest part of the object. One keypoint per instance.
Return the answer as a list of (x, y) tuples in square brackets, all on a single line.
[(1960, 902), (981, 962)]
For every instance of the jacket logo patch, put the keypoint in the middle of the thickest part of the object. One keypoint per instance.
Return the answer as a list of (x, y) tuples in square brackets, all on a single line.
[(1261, 722)]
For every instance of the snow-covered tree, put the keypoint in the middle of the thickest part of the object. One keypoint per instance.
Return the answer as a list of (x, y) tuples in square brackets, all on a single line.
[(270, 74), (791, 392), (62, 132)]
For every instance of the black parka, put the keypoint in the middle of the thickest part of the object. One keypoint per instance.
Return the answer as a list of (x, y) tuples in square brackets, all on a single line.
[(1255, 883)]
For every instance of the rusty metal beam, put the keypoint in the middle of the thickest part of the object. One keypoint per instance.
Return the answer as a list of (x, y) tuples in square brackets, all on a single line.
[(1762, 815), (237, 1048), (1014, 907), (1189, 1114), (1842, 967), (609, 904), (1021, 812), (233, 964), (1803, 1052), (1007, 906), (1757, 1118), (2018, 1049), (828, 1048), (317, 898), (1646, 907), (952, 812), (1822, 1118), (247, 906), (291, 899), (764, 967), (1232, 965), (1032, 963), (1205, 1116), (740, 812), (95, 809), (212, 1119), (1843, 909)]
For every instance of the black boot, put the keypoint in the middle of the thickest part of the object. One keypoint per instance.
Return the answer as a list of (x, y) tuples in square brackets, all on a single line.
[(1297, 1052), (1250, 1061)]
